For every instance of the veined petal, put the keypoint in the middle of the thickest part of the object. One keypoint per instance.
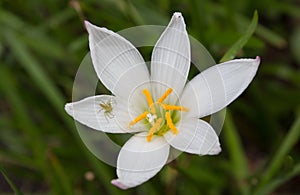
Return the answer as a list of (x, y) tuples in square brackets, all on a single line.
[(171, 55), (217, 86), (215, 149), (194, 136), (139, 160), (90, 113), (118, 64)]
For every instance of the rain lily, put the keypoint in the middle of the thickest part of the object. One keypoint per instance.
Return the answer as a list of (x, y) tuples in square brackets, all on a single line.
[(159, 107)]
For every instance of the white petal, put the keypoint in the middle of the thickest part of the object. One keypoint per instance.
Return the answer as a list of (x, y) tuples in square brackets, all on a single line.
[(139, 160), (170, 61), (126, 112), (216, 87), (118, 64), (194, 136), (89, 112), (216, 149)]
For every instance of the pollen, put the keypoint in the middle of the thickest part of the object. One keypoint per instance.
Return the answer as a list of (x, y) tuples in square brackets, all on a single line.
[(139, 118), (158, 115), (170, 123), (172, 107), (153, 129), (163, 97), (149, 100)]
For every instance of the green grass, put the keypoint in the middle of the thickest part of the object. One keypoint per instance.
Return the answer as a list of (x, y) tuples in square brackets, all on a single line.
[(42, 45)]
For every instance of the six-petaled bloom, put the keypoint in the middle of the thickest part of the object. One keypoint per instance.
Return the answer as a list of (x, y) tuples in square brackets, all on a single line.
[(160, 107)]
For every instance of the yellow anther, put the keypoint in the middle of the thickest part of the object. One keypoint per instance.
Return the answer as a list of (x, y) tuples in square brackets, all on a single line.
[(149, 100), (163, 97), (154, 129), (139, 118), (170, 123), (172, 107)]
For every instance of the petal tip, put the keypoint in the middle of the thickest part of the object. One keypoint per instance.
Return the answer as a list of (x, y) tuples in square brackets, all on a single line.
[(257, 59), (69, 108), (177, 22), (118, 184), (87, 24), (215, 150), (177, 15)]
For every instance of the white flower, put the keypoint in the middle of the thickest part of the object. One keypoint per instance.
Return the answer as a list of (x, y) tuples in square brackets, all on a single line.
[(159, 107)]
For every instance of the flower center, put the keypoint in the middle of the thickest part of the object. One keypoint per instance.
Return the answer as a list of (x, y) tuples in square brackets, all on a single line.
[(161, 116)]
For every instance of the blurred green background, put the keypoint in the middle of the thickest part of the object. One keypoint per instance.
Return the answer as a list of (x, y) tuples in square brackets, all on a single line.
[(42, 44)]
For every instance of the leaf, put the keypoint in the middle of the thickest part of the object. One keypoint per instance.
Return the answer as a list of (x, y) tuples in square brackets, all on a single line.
[(276, 182), (236, 152), (230, 54), (9, 181), (265, 33), (51, 92), (284, 148), (295, 44)]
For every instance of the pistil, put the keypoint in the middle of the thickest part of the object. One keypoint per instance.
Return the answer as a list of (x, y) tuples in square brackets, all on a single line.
[(160, 122)]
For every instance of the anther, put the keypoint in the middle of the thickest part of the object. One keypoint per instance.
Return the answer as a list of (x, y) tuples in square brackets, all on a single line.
[(139, 118), (163, 97), (154, 129), (172, 107), (149, 100), (170, 123)]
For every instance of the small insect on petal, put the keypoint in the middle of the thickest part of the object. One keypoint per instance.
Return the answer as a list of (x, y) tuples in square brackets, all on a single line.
[(107, 109)]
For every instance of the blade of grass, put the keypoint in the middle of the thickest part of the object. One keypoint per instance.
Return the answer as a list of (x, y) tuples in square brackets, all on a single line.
[(10, 19), (42, 43), (271, 37), (263, 32), (234, 145), (230, 54), (17, 160), (34, 69), (236, 153), (24, 123), (274, 165), (133, 12), (45, 84), (271, 186), (57, 19), (60, 174), (9, 181), (9, 88)]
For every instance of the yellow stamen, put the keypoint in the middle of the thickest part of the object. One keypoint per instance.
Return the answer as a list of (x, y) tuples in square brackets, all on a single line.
[(170, 123), (163, 97), (153, 129), (172, 107), (149, 100), (137, 119)]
